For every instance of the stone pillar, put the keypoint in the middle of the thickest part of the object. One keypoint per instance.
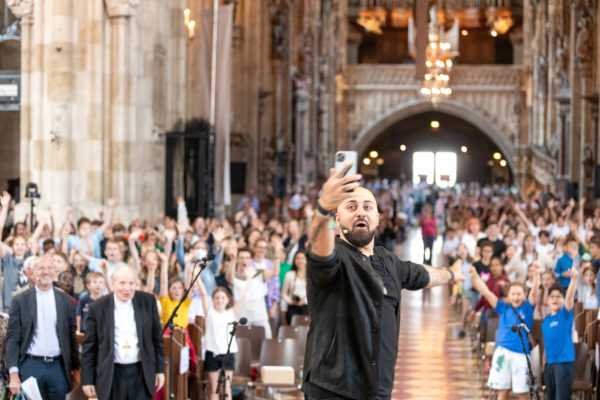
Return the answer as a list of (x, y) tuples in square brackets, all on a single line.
[(564, 163), (120, 138), (23, 9)]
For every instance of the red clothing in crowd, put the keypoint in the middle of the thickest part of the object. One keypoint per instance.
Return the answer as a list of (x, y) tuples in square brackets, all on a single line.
[(428, 226), (494, 285)]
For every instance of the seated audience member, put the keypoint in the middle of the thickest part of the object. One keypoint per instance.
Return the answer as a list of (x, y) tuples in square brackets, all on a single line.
[(509, 363), (61, 263), (542, 307), (261, 263), (569, 259), (218, 318), (472, 235), (450, 245), (113, 261), (495, 283), (80, 270), (560, 353), (544, 247), (518, 265), (586, 286), (294, 288), (88, 239), (255, 306), (493, 236), (483, 265), (65, 283), (95, 285)]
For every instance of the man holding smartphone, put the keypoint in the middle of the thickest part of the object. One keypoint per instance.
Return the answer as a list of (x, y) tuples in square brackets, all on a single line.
[(353, 291)]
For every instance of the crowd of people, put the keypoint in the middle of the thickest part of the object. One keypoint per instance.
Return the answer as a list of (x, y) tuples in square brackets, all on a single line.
[(532, 245)]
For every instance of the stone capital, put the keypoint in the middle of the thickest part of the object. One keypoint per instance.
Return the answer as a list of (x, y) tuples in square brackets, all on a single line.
[(121, 8), (23, 9)]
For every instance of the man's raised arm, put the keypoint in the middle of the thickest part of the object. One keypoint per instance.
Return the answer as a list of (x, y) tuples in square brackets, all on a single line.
[(337, 189)]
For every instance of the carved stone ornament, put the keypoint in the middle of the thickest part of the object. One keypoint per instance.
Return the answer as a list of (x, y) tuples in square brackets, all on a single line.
[(121, 8), (583, 45), (23, 9)]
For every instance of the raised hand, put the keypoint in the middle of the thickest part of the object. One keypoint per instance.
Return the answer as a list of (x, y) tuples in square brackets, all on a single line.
[(472, 271), (5, 199), (70, 215), (111, 202), (571, 202), (170, 234), (338, 187), (574, 273)]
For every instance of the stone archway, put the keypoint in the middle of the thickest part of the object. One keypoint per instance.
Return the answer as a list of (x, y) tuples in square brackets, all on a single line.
[(405, 110)]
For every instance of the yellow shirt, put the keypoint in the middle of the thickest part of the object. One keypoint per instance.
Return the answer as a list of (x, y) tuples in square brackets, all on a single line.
[(168, 305)]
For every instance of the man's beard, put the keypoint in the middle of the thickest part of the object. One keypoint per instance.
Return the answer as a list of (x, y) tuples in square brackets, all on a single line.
[(358, 237)]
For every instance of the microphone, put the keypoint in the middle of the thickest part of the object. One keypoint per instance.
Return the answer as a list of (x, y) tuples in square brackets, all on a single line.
[(515, 328), (345, 231), (201, 256), (242, 321)]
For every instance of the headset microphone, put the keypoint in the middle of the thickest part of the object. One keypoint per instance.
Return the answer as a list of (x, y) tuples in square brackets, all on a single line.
[(345, 231)]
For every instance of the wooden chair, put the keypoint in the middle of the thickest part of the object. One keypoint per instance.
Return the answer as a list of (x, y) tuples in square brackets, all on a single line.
[(579, 324), (275, 352), (583, 382), (299, 333), (196, 333), (180, 381), (300, 320), (256, 334)]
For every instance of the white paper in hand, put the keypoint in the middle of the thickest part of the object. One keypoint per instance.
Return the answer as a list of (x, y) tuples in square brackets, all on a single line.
[(30, 387)]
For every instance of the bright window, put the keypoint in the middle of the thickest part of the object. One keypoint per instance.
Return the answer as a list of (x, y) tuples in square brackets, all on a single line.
[(434, 167), (423, 167), (445, 169)]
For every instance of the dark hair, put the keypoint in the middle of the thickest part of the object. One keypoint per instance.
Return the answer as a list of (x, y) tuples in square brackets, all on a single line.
[(48, 244), (449, 229), (486, 243), (118, 228), (544, 233), (66, 271), (294, 267), (595, 240), (245, 249), (560, 288)]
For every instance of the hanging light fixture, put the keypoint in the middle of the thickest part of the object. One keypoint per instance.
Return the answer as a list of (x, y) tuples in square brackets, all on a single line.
[(499, 19), (372, 18), (442, 47)]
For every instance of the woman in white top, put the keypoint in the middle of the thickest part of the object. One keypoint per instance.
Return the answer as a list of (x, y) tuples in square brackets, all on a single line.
[(517, 265), (218, 318), (294, 288), (255, 305)]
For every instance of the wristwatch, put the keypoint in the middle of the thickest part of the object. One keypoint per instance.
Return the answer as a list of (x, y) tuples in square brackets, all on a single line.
[(321, 210)]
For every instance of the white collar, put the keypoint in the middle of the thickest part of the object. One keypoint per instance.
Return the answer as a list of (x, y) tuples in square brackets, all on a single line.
[(48, 292), (119, 303)]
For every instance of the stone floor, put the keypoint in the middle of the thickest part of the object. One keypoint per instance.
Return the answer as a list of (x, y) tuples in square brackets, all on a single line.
[(432, 362)]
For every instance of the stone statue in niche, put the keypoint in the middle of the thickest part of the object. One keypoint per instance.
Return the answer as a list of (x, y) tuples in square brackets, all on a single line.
[(561, 77), (280, 34), (588, 163), (583, 45)]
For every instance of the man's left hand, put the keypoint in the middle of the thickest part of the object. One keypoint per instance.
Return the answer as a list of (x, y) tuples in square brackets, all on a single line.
[(457, 269), (75, 379), (159, 381)]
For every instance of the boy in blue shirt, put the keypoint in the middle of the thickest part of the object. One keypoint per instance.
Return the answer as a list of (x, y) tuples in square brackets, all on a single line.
[(509, 364), (560, 352), (567, 261)]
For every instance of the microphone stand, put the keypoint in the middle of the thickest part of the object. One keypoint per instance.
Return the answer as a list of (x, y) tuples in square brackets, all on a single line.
[(171, 325), (532, 385), (222, 380)]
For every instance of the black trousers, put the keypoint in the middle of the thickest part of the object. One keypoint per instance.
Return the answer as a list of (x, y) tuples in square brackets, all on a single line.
[(558, 378), (128, 383)]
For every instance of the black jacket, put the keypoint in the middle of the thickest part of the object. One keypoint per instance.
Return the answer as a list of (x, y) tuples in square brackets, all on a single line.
[(345, 298), (21, 327), (97, 357)]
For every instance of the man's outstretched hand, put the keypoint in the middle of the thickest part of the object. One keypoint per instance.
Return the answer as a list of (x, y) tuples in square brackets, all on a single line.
[(338, 187)]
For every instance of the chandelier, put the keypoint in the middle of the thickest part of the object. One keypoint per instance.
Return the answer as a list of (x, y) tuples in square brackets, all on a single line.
[(442, 47)]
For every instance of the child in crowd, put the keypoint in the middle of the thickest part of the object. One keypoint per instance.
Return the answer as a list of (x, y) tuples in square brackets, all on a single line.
[(218, 318), (509, 364), (483, 265), (560, 352), (467, 289), (450, 246), (542, 307), (569, 259), (495, 283), (65, 283), (586, 286), (95, 284)]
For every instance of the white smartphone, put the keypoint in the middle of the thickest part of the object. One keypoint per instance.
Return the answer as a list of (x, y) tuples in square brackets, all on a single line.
[(344, 157)]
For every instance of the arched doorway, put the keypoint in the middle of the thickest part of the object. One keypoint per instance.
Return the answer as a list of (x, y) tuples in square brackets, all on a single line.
[(478, 156)]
